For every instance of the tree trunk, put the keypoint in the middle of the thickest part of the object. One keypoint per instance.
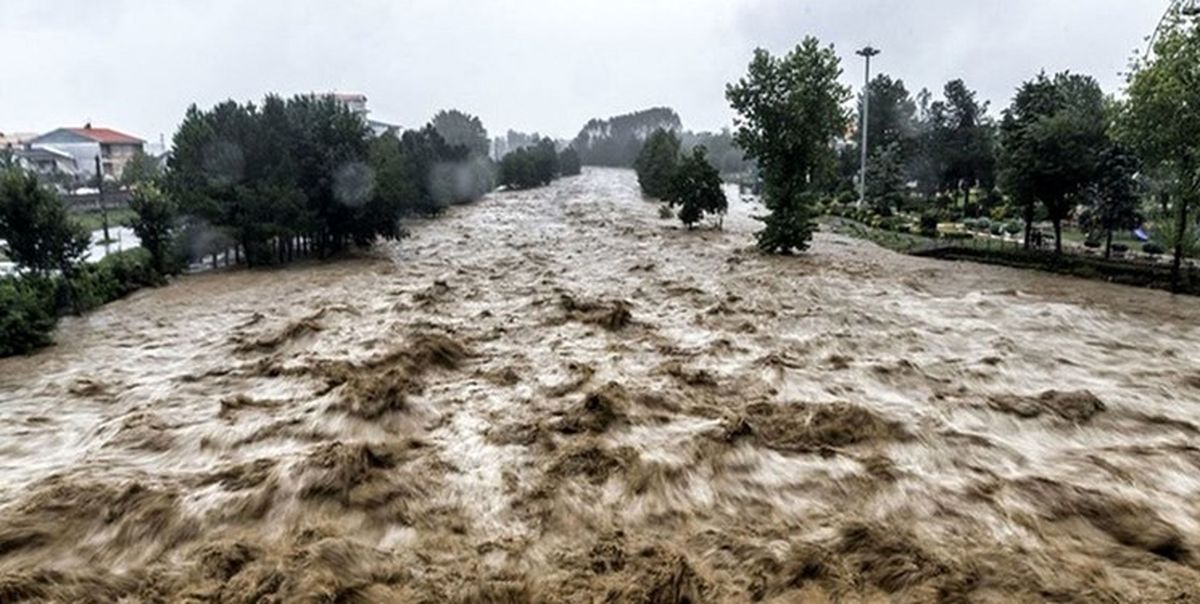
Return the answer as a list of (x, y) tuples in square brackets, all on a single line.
[(1180, 234), (1057, 235), (1108, 246), (1028, 226)]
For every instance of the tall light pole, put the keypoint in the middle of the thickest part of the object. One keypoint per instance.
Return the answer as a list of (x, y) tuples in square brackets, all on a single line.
[(866, 53)]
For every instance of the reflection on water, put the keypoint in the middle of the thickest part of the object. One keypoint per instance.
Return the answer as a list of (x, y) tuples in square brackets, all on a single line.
[(556, 394)]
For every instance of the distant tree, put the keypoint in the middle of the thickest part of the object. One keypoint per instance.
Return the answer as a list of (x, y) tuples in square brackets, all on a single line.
[(789, 110), (696, 188), (955, 146), (1112, 198), (618, 140), (657, 162), (891, 122), (568, 162), (458, 128), (141, 169), (1052, 137), (39, 236), (1162, 124), (885, 180), (530, 167), (154, 223), (723, 152), (546, 160)]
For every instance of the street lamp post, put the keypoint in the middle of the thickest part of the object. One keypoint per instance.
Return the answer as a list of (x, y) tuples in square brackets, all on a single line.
[(866, 53)]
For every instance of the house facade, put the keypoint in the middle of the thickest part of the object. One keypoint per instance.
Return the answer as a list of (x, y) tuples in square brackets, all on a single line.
[(84, 146)]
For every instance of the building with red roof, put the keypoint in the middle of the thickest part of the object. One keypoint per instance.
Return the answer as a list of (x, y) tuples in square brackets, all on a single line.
[(114, 149)]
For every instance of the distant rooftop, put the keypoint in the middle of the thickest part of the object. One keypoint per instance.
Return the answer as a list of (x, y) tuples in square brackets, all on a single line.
[(106, 135)]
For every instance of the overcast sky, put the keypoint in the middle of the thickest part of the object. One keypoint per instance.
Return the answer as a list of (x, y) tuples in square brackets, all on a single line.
[(545, 65)]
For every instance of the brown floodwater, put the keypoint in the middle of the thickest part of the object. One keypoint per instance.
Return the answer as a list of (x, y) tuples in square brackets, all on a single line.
[(556, 395)]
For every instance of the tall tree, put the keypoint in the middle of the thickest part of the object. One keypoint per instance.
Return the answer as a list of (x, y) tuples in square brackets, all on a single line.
[(790, 109), (1112, 198), (960, 142), (696, 188), (891, 122), (657, 162), (153, 223), (39, 236), (1053, 135), (463, 129), (1162, 123), (885, 180)]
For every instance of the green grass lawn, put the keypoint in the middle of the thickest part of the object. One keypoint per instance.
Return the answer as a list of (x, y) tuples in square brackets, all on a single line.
[(94, 220)]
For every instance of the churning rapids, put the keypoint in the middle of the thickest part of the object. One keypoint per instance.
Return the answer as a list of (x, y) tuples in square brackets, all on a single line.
[(557, 395)]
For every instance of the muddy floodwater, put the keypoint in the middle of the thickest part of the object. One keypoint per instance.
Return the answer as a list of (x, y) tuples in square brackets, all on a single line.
[(558, 396)]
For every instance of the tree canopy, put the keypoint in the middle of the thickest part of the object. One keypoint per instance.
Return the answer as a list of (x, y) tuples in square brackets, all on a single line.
[(459, 128), (1052, 136), (695, 187), (656, 163), (790, 109), (1161, 122)]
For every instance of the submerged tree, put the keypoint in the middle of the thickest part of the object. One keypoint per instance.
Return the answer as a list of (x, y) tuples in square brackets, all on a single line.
[(790, 109), (657, 162), (696, 188)]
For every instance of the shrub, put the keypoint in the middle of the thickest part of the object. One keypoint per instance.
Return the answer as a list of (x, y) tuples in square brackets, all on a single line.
[(958, 235), (26, 314), (665, 212), (1092, 243), (983, 225), (929, 224), (1152, 248), (114, 277), (568, 162), (997, 228), (1120, 248), (970, 224), (1013, 227)]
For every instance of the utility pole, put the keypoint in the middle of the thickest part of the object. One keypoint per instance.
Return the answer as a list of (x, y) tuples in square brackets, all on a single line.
[(866, 53), (100, 199)]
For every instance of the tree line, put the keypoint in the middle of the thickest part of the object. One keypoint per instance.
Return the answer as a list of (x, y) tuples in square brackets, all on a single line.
[(269, 182), (1062, 149)]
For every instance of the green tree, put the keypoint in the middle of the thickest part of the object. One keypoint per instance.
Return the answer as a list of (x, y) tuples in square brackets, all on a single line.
[(1052, 136), (1162, 124), (39, 236), (892, 121), (696, 188), (790, 109), (568, 162), (462, 129), (141, 169), (885, 180), (1113, 196), (657, 162), (26, 314), (154, 224)]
